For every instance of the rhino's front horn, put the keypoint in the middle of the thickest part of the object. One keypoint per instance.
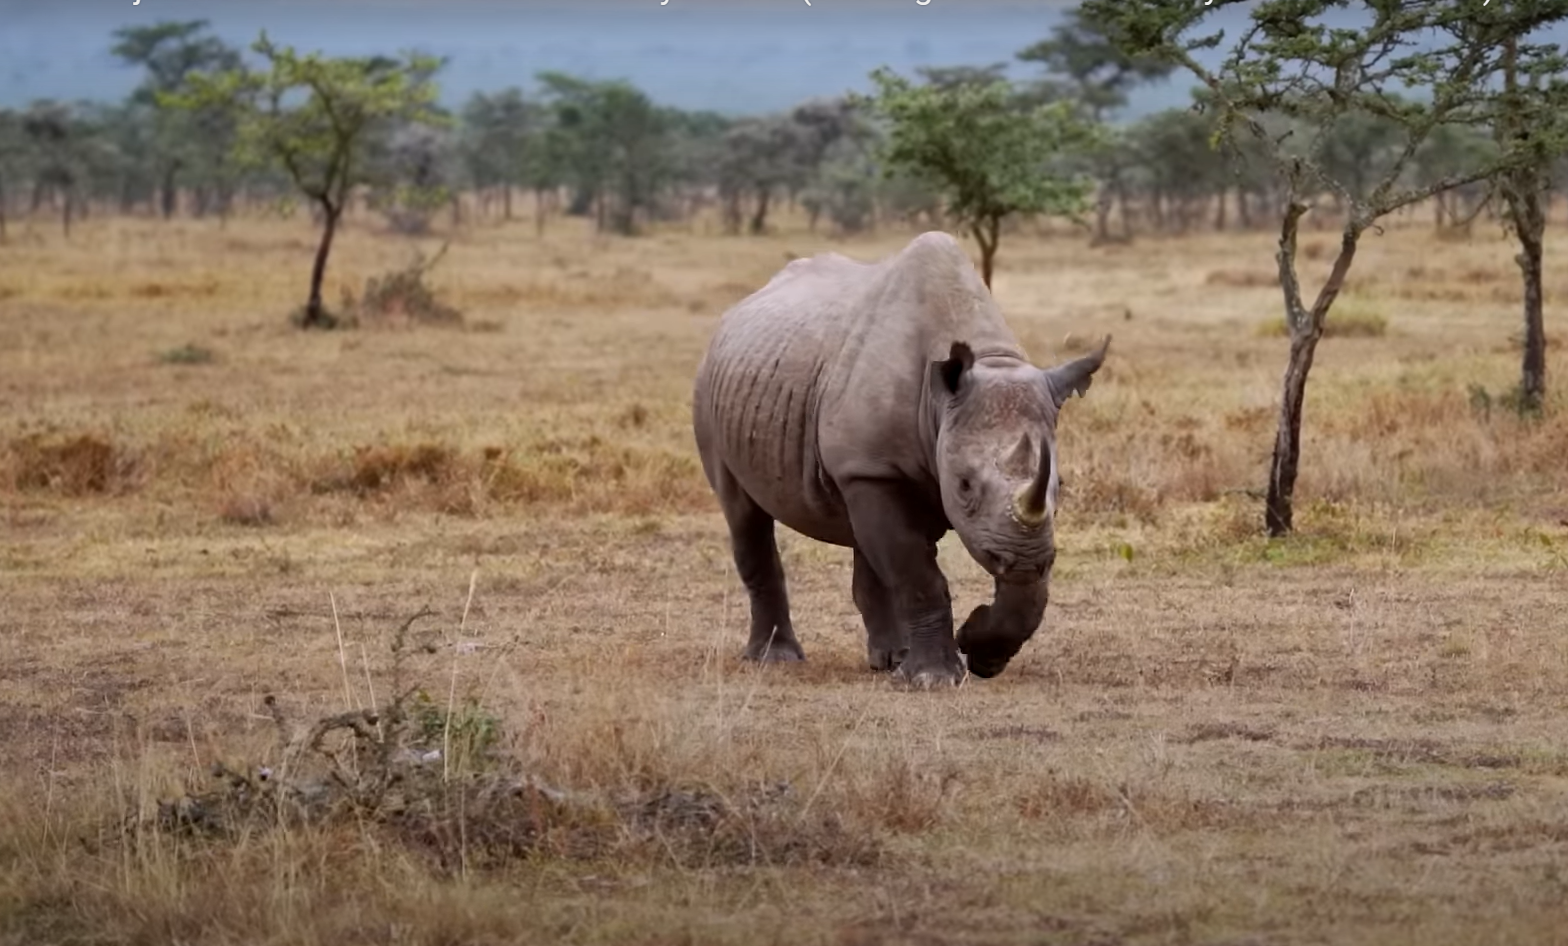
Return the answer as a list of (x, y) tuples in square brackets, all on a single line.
[(1030, 504)]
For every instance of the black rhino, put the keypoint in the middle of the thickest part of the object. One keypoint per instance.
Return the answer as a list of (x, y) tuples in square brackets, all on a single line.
[(876, 406)]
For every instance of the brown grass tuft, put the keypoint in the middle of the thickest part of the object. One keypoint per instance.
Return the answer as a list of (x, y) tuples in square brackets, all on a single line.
[(378, 468), (246, 510), (1242, 278), (72, 465), (590, 474), (401, 298), (576, 289), (1062, 797), (203, 289)]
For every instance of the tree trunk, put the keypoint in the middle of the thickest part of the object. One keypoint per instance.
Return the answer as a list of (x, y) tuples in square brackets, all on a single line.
[(1306, 327), (315, 313), (2, 209), (1279, 507), (987, 234), (65, 214), (1522, 191), (1219, 211), (759, 220), (506, 192), (1531, 229), (171, 197), (732, 214), (1125, 208), (538, 212)]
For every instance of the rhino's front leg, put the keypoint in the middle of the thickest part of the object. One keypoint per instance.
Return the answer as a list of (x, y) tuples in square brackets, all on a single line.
[(888, 534), (994, 633), (886, 643)]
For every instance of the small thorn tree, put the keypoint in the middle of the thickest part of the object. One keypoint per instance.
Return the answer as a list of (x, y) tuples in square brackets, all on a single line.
[(186, 142), (991, 153), (1531, 120), (1417, 65), (314, 116)]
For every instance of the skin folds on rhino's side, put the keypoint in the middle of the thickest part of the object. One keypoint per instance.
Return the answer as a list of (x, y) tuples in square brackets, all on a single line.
[(876, 406)]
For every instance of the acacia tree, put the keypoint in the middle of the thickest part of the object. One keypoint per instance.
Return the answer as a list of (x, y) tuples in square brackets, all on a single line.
[(1292, 58), (314, 116), (990, 155), (1080, 61), (1099, 73), (612, 143), (497, 138), (1449, 150), (1530, 118), (56, 138), (171, 51)]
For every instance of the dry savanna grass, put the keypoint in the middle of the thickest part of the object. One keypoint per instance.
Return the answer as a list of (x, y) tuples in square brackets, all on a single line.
[(226, 717)]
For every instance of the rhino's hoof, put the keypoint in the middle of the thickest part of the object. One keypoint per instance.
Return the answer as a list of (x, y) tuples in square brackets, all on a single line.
[(931, 676), (776, 652), (883, 659)]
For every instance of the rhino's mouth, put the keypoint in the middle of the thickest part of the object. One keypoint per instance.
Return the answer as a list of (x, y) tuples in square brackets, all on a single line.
[(986, 653), (986, 669)]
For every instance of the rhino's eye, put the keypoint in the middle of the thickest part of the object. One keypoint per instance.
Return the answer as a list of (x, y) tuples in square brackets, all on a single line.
[(964, 486)]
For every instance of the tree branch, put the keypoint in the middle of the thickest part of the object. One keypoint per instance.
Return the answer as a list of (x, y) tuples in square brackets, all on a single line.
[(1286, 258)]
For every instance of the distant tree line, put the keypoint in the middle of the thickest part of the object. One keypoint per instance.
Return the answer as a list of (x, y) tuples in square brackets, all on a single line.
[(604, 150)]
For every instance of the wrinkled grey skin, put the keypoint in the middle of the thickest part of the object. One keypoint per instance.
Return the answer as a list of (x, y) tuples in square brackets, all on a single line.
[(876, 406)]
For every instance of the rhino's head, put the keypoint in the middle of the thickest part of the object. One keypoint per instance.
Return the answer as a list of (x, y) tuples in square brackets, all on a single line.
[(996, 462)]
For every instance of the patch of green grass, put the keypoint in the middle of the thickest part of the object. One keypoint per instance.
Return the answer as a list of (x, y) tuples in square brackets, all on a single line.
[(188, 354), (468, 732)]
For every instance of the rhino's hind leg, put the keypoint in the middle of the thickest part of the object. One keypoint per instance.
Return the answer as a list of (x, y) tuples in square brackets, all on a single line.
[(886, 642), (757, 559)]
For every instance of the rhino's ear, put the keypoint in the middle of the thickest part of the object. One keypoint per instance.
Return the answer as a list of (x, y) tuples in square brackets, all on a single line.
[(959, 360), (1074, 377)]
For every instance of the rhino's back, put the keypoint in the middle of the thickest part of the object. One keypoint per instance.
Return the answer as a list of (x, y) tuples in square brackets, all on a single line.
[(759, 387), (818, 377), (874, 421)]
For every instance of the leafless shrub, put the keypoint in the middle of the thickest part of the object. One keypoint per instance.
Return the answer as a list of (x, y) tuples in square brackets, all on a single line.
[(430, 776), (401, 298)]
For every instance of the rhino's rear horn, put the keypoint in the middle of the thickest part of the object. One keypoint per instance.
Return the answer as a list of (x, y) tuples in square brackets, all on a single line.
[(959, 360)]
